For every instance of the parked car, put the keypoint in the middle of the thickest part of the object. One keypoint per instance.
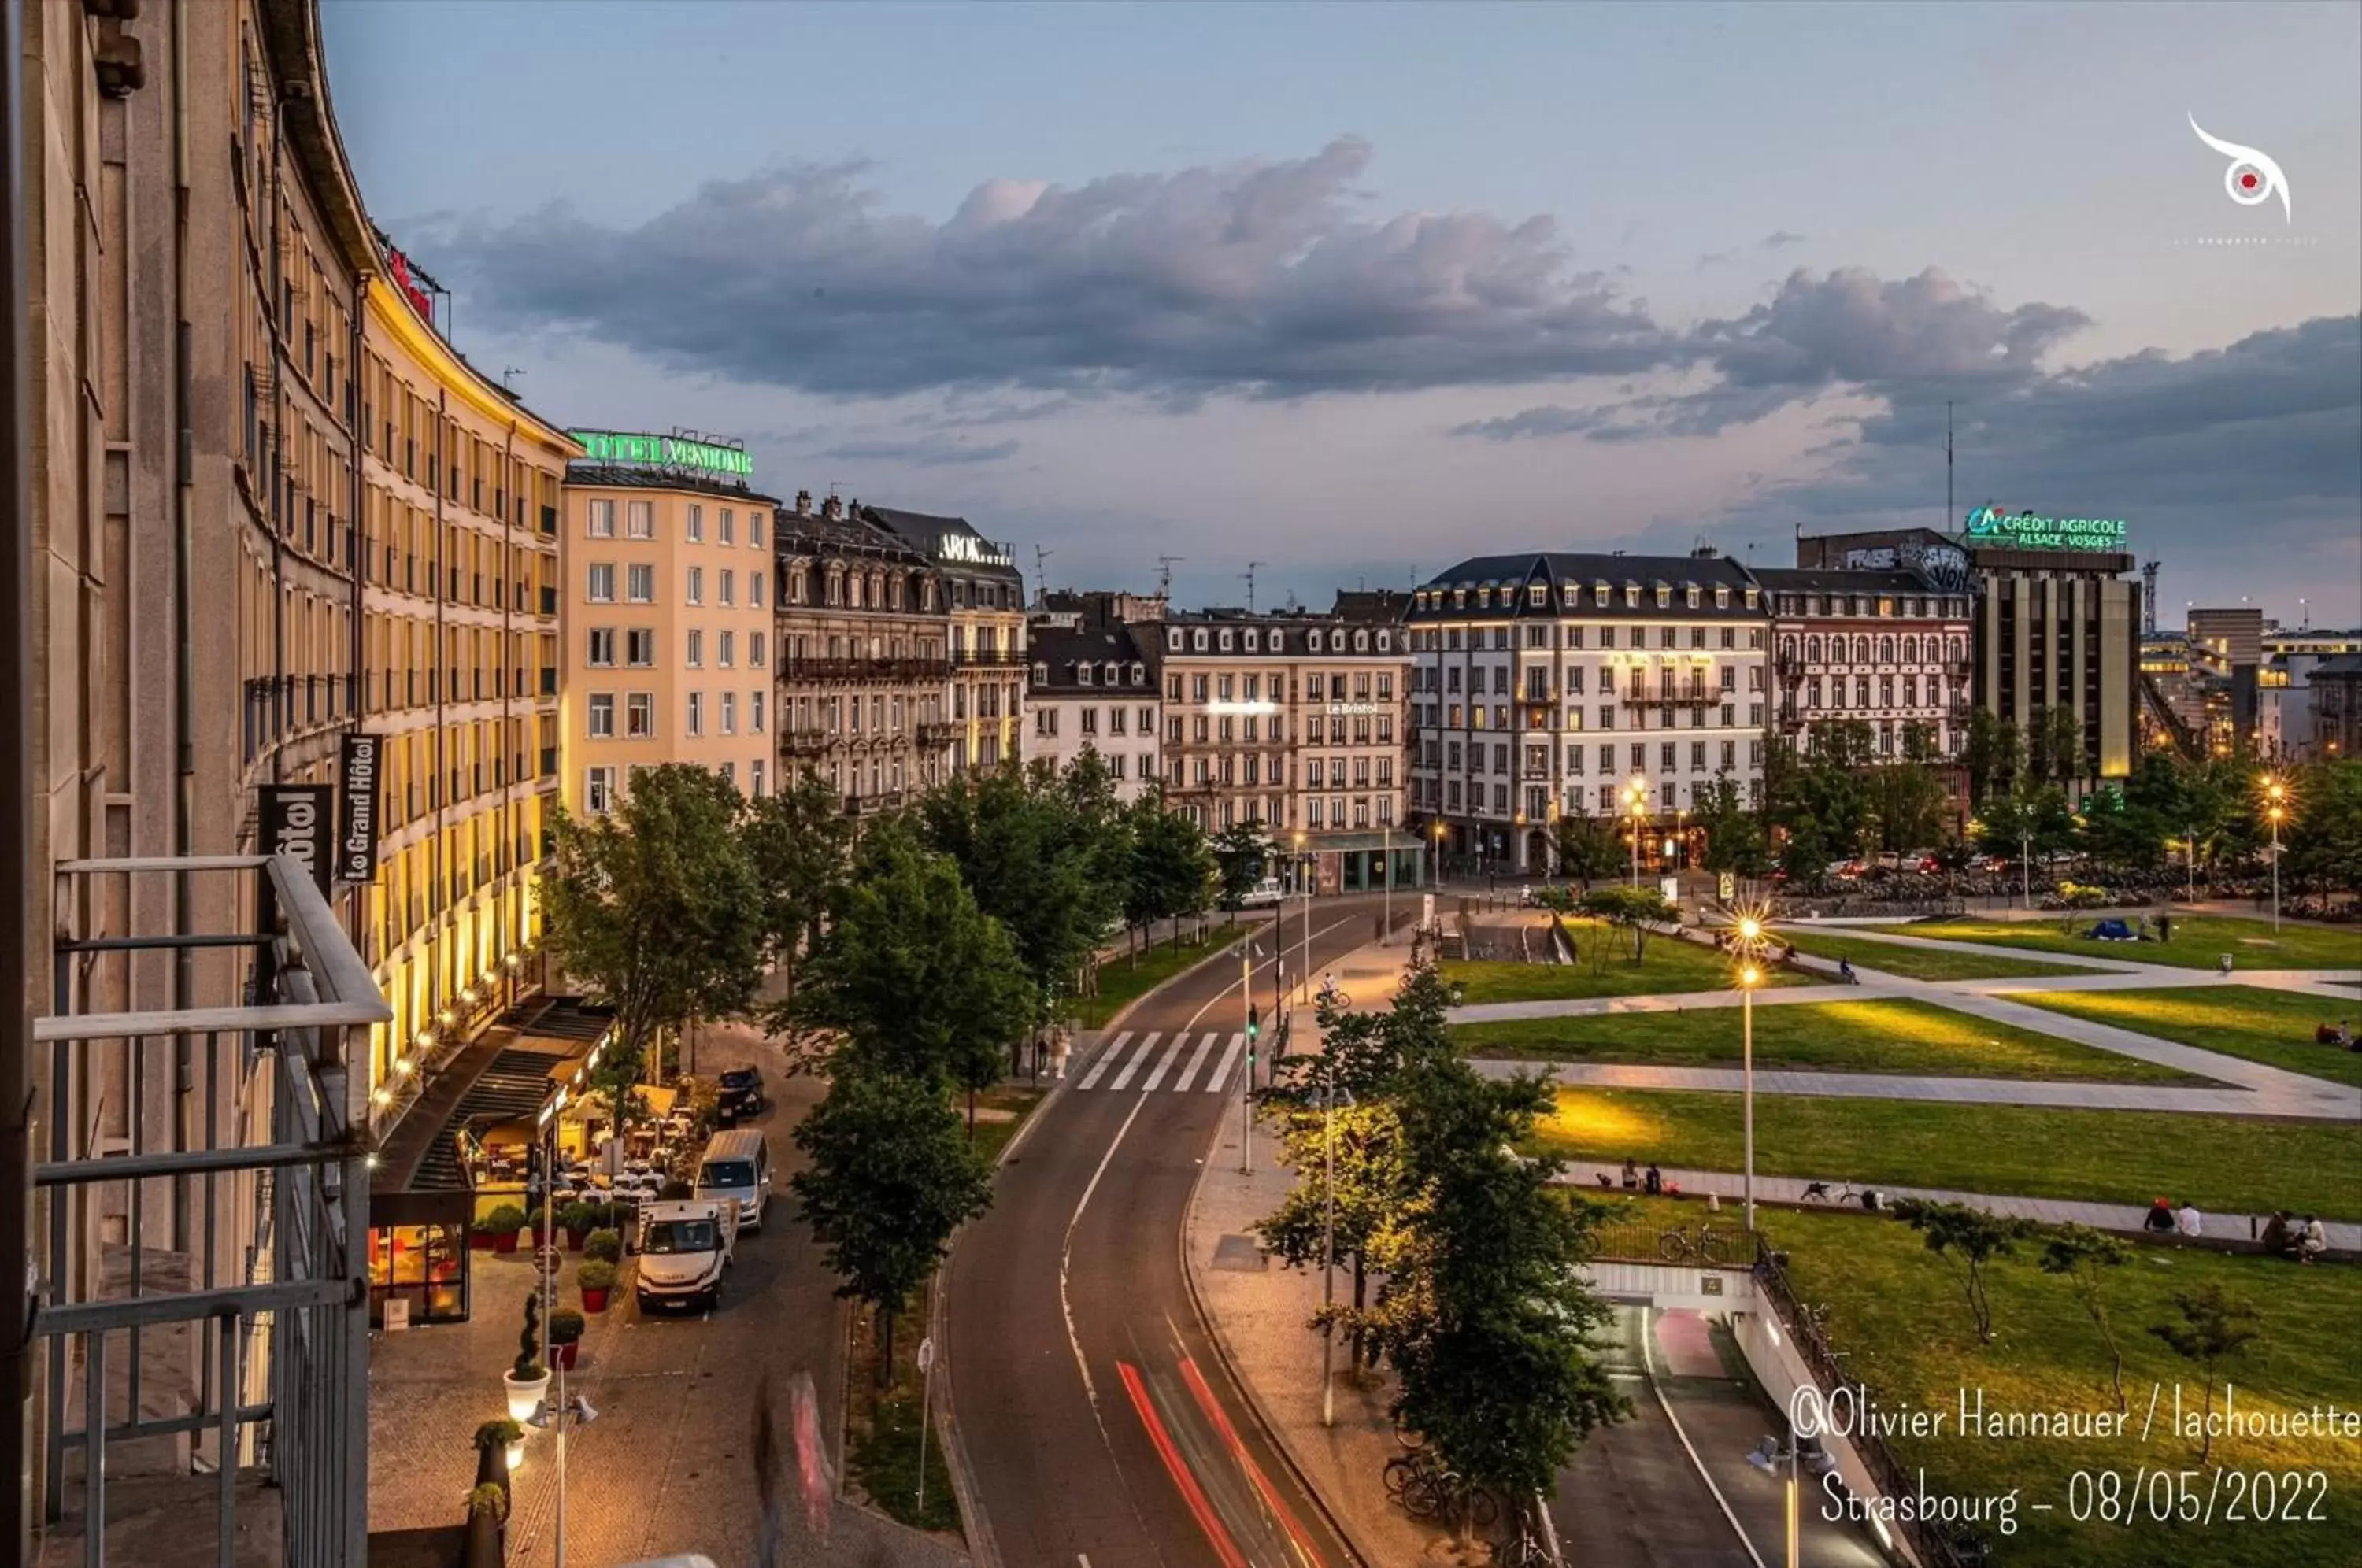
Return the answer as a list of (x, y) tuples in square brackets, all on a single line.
[(738, 1167), (1262, 895), (684, 1250), (742, 1093)]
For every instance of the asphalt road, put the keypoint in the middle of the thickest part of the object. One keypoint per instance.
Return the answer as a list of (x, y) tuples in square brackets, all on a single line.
[(1098, 1423)]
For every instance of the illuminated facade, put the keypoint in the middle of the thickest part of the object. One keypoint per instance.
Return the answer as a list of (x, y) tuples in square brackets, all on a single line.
[(669, 632), (985, 597), (461, 656)]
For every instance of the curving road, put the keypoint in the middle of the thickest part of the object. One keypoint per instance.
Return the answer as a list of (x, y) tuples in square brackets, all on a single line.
[(1099, 1425)]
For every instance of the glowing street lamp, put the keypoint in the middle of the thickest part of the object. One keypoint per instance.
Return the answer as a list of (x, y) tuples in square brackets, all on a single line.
[(1750, 975), (1636, 801), (2275, 810)]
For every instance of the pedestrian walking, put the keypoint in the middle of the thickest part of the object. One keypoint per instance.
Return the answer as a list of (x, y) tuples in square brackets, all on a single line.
[(1061, 1044)]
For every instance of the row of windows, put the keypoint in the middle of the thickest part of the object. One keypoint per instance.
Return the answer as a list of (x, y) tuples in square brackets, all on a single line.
[(1837, 689), (1364, 686), (599, 784), (1551, 635), (1319, 772), (843, 715), (1045, 720), (1912, 650), (639, 649), (640, 714), (858, 589), (1603, 595), (1692, 678), (1273, 639), (1671, 797), (1479, 717), (1538, 757), (640, 522), (640, 585), (1883, 605), (1332, 730), (1109, 674)]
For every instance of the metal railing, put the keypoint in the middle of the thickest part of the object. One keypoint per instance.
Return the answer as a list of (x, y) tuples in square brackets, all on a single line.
[(894, 668), (206, 1292)]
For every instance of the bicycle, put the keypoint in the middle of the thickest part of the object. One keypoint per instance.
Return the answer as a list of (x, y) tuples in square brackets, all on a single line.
[(1427, 1490), (1841, 1191), (1525, 1551), (1709, 1245)]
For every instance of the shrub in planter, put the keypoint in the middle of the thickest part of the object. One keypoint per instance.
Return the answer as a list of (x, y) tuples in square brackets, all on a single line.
[(605, 1245), (502, 1225), (565, 1326), (527, 1380), (488, 1508), (506, 1437), (577, 1220), (597, 1278)]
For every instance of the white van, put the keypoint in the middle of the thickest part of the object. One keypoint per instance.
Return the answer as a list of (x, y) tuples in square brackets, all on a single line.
[(684, 1248), (1262, 894), (737, 1166)]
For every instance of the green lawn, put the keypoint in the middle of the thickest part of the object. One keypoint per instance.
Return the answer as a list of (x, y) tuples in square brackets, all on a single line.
[(1604, 968), (1895, 1310), (2233, 1163), (1126, 979), (2253, 1021), (994, 1134), (2198, 940), (1919, 963), (883, 1423), (1888, 1035)]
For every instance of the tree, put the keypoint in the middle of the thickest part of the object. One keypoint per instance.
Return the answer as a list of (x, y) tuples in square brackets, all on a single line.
[(1734, 831), (652, 908), (1170, 870), (1968, 1240), (1993, 752), (910, 976), (796, 841), (2055, 750), (2214, 1329), (891, 1179), (2083, 1257), (2325, 841), (1907, 805), (1637, 908), (1362, 1142), (1586, 848), (1240, 851)]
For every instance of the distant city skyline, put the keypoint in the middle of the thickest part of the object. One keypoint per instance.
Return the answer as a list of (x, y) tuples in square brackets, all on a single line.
[(1354, 300)]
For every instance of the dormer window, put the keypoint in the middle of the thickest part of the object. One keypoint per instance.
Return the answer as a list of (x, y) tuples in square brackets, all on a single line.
[(1107, 676), (1279, 640), (1040, 675), (1690, 592), (1386, 641), (1572, 593), (1751, 599), (1139, 675), (1171, 639), (1722, 596), (1631, 596), (1254, 640), (1484, 598), (1226, 639), (1600, 592), (1460, 598), (1664, 596), (1361, 642), (1538, 594), (1199, 640)]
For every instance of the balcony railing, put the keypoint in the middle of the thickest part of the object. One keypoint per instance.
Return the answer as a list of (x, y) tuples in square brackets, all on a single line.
[(252, 1344), (990, 658), (1676, 700), (803, 739), (938, 733), (888, 669), (870, 805)]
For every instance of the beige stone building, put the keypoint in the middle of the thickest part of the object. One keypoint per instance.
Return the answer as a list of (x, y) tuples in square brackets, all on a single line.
[(984, 597), (863, 656), (669, 632)]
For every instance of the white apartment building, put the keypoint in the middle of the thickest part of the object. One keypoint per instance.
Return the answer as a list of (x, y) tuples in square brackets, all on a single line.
[(1544, 685), (1094, 689)]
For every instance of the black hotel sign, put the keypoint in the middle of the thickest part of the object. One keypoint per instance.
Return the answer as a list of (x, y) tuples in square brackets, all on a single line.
[(356, 778), (294, 822)]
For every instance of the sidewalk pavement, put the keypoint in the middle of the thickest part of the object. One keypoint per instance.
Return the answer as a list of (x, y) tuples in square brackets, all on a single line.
[(2344, 1235), (1256, 1311), (1952, 1091)]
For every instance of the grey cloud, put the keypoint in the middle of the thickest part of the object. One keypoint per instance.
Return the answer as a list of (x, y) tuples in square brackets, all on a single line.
[(1780, 238), (925, 452), (1263, 278), (1607, 423)]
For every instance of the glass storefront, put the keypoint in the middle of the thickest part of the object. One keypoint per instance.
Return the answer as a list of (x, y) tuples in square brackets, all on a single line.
[(423, 1265)]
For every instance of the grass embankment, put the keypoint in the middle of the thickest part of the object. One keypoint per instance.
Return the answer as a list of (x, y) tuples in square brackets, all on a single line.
[(2248, 1021), (2198, 941), (1919, 963), (882, 1424), (1604, 968), (1127, 978), (1888, 1035), (1000, 1112), (2220, 1162), (1895, 1310)]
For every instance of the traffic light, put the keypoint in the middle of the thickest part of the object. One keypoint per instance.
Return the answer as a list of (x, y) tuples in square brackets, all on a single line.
[(1254, 1024)]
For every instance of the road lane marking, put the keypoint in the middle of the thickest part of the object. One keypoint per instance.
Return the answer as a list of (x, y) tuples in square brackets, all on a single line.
[(1191, 1493), (1649, 1362), (1306, 1551), (1222, 1069), (1108, 1053), (1163, 1063), (1196, 1062), (1066, 1264), (1139, 1057)]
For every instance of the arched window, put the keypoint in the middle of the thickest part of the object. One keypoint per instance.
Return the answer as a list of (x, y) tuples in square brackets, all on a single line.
[(1862, 650), (1812, 650), (1788, 648), (1911, 650), (1957, 654), (1886, 650)]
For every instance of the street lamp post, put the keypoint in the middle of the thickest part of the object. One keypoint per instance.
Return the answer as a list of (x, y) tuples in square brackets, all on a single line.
[(1750, 935), (1635, 794), (1246, 1089), (1304, 947), (1389, 853), (2275, 808), (1328, 1239), (2026, 866)]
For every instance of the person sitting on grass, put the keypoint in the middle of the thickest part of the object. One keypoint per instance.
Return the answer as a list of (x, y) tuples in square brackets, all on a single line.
[(1631, 1175), (1655, 1181), (2279, 1241), (2313, 1239), (2160, 1216)]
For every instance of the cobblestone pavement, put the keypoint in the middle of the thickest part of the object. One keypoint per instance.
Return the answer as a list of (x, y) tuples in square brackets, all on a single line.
[(668, 1464)]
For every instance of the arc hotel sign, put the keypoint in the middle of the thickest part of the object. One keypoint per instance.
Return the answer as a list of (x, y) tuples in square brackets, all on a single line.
[(2025, 531)]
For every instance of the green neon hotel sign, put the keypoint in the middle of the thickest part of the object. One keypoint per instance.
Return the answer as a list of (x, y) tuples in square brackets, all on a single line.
[(2026, 531), (625, 449)]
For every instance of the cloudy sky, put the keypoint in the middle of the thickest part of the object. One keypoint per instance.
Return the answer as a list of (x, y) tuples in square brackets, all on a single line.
[(1351, 291)]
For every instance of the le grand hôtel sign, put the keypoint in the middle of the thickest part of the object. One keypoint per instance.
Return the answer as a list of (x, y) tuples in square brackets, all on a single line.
[(677, 453), (2026, 531)]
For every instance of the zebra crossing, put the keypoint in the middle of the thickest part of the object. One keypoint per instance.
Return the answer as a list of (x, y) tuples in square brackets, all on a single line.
[(1153, 1059)]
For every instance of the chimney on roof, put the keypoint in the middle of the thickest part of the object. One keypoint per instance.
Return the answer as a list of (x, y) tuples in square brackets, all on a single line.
[(803, 503), (833, 507)]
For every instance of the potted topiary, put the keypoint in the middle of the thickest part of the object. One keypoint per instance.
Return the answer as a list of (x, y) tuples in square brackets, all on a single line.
[(577, 1220), (565, 1327), (488, 1509), (506, 1436), (596, 1277), (527, 1380), (605, 1245), (501, 1227)]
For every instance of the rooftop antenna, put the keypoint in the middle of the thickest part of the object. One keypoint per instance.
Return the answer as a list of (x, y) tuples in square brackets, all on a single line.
[(2149, 598), (508, 370), (1040, 572), (1948, 512), (1249, 575), (1164, 574)]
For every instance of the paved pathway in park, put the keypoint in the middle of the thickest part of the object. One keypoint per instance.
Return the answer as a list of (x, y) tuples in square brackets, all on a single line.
[(2334, 1102), (2344, 1236)]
